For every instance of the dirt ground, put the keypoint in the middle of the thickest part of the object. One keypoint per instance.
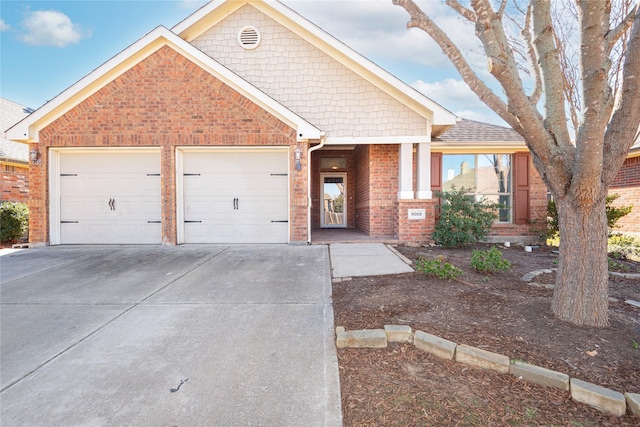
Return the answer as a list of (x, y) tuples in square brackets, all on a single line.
[(403, 386)]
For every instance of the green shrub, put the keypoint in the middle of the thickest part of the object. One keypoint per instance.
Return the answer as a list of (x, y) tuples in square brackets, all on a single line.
[(14, 220), (463, 220), (489, 261), (613, 215), (617, 266), (438, 268), (624, 247)]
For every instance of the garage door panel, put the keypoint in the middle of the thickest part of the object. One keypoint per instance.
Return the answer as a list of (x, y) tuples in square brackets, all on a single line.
[(89, 232), (113, 163), (111, 198), (237, 196)]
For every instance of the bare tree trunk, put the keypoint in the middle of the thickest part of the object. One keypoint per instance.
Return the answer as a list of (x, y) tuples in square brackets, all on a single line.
[(582, 283)]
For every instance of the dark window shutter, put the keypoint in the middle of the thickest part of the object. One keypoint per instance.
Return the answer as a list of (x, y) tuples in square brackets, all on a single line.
[(521, 187), (436, 178)]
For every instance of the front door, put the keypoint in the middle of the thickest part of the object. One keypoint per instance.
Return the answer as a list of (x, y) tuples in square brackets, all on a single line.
[(333, 190)]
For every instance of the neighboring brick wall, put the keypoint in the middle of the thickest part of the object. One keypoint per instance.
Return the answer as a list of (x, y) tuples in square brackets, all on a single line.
[(627, 185), (14, 185), (307, 81), (165, 101), (363, 212)]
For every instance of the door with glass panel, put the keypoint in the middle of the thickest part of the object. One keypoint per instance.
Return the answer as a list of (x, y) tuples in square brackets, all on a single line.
[(333, 209)]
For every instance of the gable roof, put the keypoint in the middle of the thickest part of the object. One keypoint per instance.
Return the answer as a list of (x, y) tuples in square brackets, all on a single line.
[(10, 114), (214, 12), (27, 130), (472, 135)]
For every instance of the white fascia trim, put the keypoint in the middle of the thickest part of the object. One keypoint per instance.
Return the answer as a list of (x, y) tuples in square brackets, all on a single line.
[(27, 130), (441, 116), (484, 147), (365, 140)]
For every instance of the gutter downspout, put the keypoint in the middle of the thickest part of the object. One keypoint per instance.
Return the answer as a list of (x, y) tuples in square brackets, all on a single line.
[(323, 139)]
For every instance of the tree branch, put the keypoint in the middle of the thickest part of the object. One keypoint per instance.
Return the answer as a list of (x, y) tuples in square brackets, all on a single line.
[(463, 11), (551, 74), (597, 99), (503, 6), (420, 20), (533, 59), (616, 33), (544, 145)]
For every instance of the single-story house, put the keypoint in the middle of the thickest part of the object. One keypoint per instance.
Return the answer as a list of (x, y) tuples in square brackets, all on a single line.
[(246, 123), (14, 157)]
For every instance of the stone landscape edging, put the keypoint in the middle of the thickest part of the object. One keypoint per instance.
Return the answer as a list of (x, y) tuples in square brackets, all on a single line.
[(600, 398)]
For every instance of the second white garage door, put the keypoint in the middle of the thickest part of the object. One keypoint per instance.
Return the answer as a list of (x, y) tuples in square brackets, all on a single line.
[(236, 196)]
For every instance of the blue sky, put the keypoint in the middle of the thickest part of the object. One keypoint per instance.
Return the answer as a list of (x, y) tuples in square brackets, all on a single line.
[(46, 46)]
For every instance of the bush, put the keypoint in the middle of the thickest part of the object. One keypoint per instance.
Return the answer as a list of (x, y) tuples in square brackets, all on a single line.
[(624, 247), (14, 220), (438, 268), (463, 220), (613, 215), (489, 261)]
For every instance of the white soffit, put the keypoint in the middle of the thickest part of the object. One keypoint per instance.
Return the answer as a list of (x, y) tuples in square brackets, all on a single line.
[(27, 129)]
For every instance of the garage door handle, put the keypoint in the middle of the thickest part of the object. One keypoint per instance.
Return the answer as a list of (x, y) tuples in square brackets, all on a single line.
[(112, 204), (235, 203)]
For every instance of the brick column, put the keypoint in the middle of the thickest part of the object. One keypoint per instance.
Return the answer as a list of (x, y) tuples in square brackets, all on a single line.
[(416, 220)]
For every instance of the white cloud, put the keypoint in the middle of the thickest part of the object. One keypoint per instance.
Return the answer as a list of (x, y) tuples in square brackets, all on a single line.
[(377, 29), (449, 92), (4, 26), (456, 96), (51, 28)]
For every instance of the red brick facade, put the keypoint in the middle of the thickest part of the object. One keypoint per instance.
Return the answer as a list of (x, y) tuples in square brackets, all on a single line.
[(14, 185), (165, 101), (627, 185)]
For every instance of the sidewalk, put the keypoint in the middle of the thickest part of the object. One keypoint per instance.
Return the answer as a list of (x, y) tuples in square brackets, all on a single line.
[(365, 259)]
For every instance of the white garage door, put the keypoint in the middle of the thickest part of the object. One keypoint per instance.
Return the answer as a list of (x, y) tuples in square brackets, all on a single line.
[(110, 198), (236, 196)]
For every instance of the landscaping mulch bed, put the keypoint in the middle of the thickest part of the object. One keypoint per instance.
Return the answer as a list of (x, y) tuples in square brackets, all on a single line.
[(401, 385)]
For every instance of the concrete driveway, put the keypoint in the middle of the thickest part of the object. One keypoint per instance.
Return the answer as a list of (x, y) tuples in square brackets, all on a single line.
[(168, 336)]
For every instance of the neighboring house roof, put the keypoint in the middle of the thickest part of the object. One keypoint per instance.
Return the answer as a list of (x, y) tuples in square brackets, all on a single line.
[(214, 12), (472, 135), (10, 114), (28, 129)]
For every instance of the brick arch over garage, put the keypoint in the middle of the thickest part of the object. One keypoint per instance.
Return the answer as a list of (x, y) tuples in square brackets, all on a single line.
[(164, 101)]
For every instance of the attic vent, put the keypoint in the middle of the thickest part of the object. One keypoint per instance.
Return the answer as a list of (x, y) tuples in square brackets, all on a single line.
[(249, 37)]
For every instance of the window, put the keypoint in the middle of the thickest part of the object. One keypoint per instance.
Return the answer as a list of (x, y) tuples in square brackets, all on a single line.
[(483, 175)]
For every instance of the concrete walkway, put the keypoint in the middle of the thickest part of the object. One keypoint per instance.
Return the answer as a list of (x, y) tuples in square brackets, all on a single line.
[(175, 336), (365, 259)]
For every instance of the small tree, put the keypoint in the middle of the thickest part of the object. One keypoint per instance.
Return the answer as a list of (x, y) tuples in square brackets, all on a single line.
[(577, 153), (463, 220)]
